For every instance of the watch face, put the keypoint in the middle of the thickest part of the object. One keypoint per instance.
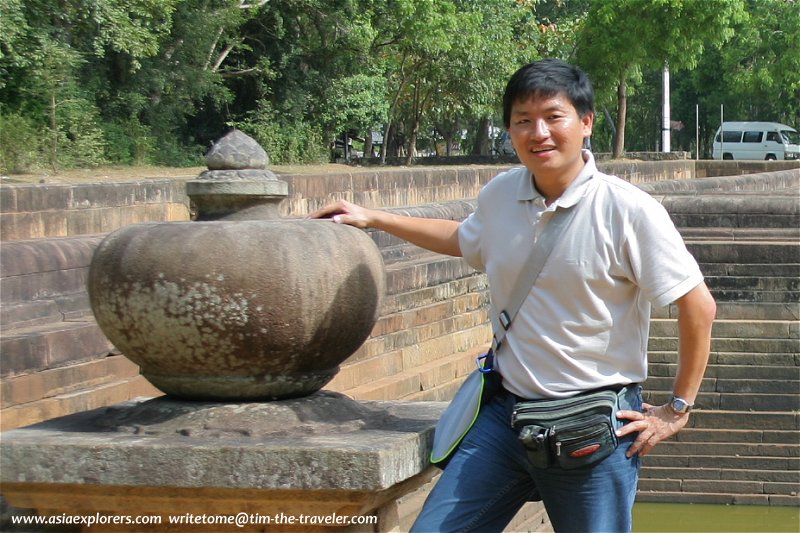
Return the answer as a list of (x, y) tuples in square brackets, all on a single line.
[(679, 406)]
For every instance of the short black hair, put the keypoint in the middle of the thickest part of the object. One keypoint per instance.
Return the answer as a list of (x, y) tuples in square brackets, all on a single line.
[(548, 77)]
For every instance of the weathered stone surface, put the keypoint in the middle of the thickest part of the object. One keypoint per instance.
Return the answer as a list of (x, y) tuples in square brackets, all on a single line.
[(51, 346), (324, 441), (236, 150), (237, 310)]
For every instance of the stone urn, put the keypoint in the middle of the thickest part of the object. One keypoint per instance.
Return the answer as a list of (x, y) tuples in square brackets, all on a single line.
[(232, 309)]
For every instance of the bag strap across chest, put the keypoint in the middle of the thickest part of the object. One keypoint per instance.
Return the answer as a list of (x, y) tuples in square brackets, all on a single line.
[(501, 321)]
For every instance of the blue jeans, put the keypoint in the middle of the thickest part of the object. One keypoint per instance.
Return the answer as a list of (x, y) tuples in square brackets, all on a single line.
[(489, 479)]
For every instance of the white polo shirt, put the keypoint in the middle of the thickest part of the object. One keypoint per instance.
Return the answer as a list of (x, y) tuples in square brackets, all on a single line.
[(586, 321)]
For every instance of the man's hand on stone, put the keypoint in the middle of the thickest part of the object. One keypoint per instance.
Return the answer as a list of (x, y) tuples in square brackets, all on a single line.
[(344, 212)]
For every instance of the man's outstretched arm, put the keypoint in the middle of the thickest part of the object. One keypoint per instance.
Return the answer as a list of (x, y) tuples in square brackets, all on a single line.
[(437, 235)]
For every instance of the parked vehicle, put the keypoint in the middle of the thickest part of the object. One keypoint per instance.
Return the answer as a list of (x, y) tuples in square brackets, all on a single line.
[(756, 140), (503, 144)]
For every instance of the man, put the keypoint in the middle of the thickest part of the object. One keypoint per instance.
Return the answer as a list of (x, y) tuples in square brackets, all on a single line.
[(584, 325)]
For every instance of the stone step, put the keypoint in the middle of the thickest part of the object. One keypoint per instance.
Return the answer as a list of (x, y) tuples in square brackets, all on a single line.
[(763, 210), (102, 395), (788, 346), (734, 402), (732, 359), (728, 486), (439, 393), (418, 313), (727, 233), (403, 252), (42, 347), (770, 476), (726, 328), (29, 388), (721, 498), (769, 270), (766, 284), (727, 449), (724, 419), (394, 303), (462, 331), (425, 272), (741, 311), (446, 372), (744, 252), (773, 436), (755, 296), (43, 268), (733, 221), (38, 312), (43, 281), (775, 372), (25, 257), (732, 386), (742, 462)]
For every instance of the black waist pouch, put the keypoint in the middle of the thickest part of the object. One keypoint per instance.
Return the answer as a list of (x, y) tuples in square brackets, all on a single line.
[(568, 433)]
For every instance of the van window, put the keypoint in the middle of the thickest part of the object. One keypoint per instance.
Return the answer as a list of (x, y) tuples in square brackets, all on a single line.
[(731, 136), (752, 136), (773, 136), (791, 137)]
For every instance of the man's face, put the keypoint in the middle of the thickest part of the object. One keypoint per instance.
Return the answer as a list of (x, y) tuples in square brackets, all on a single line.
[(548, 134)]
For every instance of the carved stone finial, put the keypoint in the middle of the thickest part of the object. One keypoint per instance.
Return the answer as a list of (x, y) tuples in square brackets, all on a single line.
[(237, 151), (237, 185)]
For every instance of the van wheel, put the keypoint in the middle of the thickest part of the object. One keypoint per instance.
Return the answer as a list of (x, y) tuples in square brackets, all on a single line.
[(770, 157), (727, 156)]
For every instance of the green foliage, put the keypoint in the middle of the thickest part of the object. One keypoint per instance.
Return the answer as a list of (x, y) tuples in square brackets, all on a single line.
[(84, 82), (621, 38), (357, 103), (762, 64), (285, 141), (19, 144), (77, 139), (129, 143)]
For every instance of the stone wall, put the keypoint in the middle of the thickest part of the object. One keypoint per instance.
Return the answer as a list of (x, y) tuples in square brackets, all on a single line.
[(36, 211), (711, 169), (55, 361), (63, 210)]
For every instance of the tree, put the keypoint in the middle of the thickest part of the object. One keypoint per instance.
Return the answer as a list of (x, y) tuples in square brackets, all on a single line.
[(620, 38), (48, 59), (761, 64), (755, 76), (84, 81)]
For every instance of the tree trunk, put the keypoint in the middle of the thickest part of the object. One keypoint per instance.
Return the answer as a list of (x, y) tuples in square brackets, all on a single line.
[(481, 146), (412, 143), (622, 111), (368, 144), (54, 129), (384, 147)]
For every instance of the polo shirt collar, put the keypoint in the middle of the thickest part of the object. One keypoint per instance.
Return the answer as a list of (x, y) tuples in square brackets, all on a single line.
[(576, 189)]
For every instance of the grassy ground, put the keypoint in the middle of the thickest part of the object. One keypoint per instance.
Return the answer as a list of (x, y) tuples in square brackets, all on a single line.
[(90, 175)]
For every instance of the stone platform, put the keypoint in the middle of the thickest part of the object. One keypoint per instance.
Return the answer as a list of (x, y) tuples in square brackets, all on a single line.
[(323, 455)]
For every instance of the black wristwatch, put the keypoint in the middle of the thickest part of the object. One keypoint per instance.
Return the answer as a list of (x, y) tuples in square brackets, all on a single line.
[(679, 405)]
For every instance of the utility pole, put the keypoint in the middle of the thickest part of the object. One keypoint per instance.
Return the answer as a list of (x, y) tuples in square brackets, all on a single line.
[(665, 121)]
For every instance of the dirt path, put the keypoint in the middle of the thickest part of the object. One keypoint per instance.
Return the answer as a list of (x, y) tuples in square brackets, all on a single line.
[(100, 174)]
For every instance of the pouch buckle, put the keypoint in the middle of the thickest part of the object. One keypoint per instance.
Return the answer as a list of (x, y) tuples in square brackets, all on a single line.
[(485, 362)]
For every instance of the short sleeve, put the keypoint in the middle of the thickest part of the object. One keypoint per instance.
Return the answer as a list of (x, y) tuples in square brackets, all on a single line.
[(663, 267), (469, 240)]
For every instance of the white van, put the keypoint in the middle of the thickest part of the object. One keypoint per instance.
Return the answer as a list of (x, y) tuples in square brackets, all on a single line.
[(756, 140)]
